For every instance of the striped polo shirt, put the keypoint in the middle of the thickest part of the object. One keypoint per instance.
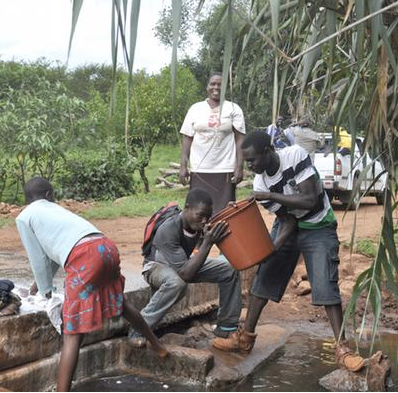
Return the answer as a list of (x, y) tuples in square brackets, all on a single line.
[(295, 167)]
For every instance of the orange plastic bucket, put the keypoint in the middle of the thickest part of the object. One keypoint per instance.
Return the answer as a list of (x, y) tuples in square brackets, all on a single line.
[(249, 241)]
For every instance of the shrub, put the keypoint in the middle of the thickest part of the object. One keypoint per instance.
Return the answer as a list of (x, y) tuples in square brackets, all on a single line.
[(97, 175), (366, 247)]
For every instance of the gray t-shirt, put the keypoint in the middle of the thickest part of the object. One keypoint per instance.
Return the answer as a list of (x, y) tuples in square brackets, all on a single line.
[(171, 244), (307, 139)]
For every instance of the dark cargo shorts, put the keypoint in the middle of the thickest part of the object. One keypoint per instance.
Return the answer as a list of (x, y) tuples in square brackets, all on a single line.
[(320, 248)]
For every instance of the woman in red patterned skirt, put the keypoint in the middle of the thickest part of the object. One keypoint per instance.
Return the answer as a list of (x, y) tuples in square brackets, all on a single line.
[(94, 285)]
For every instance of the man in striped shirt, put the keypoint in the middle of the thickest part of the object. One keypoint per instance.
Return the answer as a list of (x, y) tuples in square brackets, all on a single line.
[(288, 185)]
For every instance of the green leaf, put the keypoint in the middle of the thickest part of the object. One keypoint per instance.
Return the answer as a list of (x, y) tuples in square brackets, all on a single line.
[(360, 13), (76, 7), (375, 22), (227, 53), (134, 17), (275, 95), (387, 230), (177, 5), (391, 278), (275, 6), (362, 282), (310, 58)]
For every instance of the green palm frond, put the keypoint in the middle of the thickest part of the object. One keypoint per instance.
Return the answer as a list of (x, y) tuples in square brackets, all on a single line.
[(227, 53), (76, 7)]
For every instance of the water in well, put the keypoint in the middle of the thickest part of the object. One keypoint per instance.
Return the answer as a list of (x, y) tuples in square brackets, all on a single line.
[(297, 367), (132, 383)]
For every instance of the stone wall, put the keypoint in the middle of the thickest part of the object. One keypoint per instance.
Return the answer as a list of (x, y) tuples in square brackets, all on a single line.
[(199, 369), (31, 338)]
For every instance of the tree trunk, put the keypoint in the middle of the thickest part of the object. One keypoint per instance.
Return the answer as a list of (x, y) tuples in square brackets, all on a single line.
[(144, 179)]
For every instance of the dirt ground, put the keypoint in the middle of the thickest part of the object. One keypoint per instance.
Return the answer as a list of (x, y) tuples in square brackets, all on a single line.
[(295, 306)]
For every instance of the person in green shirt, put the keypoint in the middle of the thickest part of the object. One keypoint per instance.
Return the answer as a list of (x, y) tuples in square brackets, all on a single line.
[(287, 184)]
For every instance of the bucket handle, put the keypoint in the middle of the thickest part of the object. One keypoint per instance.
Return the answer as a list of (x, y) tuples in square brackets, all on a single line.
[(235, 205)]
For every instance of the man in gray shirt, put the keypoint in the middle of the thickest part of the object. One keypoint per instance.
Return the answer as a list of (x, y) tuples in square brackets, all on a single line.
[(301, 134), (170, 265)]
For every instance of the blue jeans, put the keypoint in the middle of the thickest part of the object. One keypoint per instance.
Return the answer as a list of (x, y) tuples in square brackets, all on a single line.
[(320, 249), (170, 288)]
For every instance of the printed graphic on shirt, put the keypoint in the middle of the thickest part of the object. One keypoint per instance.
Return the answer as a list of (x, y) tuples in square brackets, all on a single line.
[(214, 120)]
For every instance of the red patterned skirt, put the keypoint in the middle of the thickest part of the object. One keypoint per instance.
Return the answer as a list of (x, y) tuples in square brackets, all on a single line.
[(93, 286)]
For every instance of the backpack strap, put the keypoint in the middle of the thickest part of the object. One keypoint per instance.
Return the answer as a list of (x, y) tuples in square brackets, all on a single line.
[(182, 236)]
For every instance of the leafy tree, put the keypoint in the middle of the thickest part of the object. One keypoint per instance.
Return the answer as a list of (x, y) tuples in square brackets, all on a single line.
[(164, 26), (98, 174), (25, 76), (151, 118), (83, 81), (38, 120)]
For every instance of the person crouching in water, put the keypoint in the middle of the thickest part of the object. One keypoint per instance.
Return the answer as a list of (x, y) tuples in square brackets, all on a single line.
[(55, 237)]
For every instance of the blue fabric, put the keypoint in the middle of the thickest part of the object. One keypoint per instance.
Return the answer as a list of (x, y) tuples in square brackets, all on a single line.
[(278, 137)]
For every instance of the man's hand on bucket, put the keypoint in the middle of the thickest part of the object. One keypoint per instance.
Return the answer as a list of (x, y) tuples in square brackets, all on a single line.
[(260, 196), (216, 232)]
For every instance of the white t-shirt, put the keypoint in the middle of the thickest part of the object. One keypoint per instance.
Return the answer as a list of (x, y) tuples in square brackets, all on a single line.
[(295, 167), (213, 148)]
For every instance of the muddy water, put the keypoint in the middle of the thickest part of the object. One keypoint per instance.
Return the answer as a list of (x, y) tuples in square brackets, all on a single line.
[(304, 360), (297, 367), (132, 383)]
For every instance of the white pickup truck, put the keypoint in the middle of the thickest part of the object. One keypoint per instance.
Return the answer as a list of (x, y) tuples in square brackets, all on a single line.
[(339, 177)]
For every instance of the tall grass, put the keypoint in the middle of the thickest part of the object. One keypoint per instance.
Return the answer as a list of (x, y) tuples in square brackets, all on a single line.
[(135, 205), (4, 222), (144, 204), (162, 155)]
